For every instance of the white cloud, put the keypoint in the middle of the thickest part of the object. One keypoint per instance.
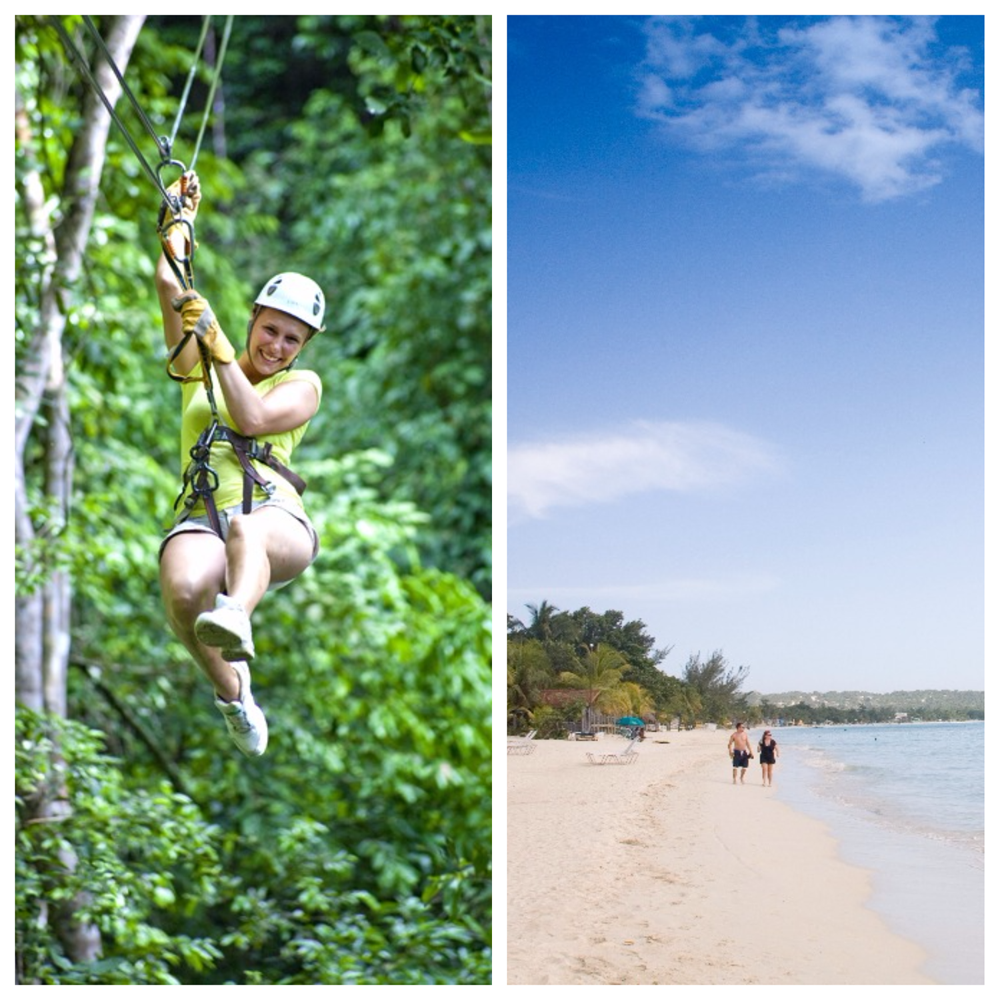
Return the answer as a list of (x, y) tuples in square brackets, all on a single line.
[(604, 466), (863, 98)]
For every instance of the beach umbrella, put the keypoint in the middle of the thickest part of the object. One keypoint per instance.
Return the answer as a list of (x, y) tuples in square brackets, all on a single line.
[(630, 720)]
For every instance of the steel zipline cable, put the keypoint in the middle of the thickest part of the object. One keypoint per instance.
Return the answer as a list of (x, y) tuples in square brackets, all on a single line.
[(200, 479), (164, 144), (215, 82), (182, 267)]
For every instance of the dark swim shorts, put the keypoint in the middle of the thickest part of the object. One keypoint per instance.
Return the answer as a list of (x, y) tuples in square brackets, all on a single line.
[(741, 758)]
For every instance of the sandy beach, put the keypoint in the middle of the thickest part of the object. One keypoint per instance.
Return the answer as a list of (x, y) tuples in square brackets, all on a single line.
[(663, 872)]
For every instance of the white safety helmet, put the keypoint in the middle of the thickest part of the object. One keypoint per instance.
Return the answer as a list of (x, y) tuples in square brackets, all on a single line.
[(296, 295)]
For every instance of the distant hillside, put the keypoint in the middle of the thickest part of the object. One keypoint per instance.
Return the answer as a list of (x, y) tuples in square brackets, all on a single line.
[(920, 703)]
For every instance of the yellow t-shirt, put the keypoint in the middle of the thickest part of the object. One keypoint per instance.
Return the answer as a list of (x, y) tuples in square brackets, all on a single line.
[(196, 415)]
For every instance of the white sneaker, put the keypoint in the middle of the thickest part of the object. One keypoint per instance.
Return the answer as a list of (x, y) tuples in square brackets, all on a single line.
[(244, 719), (228, 627)]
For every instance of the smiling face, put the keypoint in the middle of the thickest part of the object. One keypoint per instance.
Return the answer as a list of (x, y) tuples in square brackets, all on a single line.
[(273, 344)]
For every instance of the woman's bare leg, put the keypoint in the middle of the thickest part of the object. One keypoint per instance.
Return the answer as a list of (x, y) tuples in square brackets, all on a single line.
[(265, 547), (192, 574), (268, 545)]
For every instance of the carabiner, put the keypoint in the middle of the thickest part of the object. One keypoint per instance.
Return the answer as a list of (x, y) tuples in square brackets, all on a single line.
[(180, 263), (174, 203)]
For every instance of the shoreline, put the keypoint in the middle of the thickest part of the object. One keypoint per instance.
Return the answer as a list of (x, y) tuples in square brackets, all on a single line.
[(662, 872), (912, 857)]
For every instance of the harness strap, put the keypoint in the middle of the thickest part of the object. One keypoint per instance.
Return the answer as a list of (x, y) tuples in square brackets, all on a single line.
[(249, 450), (201, 480)]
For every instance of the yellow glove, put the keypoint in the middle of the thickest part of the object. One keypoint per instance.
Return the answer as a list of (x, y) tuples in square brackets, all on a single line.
[(199, 319), (174, 234)]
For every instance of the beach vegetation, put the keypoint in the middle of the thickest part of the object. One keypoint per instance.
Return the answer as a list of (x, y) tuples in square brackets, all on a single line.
[(616, 667), (685, 706), (629, 698), (900, 709), (528, 673), (718, 686), (598, 674), (542, 617), (921, 704), (556, 722)]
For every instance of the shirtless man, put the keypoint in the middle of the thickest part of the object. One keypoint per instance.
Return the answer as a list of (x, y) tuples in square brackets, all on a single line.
[(739, 750)]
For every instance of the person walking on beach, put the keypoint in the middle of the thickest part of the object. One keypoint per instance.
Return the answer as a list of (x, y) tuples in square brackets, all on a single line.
[(768, 750), (739, 750)]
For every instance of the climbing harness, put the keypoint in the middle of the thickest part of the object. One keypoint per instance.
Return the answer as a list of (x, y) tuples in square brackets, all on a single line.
[(200, 479)]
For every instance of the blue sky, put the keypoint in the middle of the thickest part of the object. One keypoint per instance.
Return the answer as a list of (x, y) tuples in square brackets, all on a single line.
[(745, 318)]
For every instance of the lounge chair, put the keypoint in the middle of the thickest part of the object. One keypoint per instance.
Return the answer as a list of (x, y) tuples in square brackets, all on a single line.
[(522, 745), (627, 756)]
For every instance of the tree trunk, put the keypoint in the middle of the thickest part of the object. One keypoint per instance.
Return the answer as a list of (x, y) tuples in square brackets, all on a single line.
[(42, 603), (29, 389), (42, 624)]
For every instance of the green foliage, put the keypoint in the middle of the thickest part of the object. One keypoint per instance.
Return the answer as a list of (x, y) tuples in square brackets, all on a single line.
[(717, 687), (404, 224), (617, 663), (662, 687), (111, 827), (528, 672), (376, 789), (926, 703), (852, 707), (598, 672), (564, 644), (556, 722), (381, 746)]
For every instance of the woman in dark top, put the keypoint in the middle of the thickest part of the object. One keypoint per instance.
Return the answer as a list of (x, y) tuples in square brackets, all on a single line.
[(768, 751)]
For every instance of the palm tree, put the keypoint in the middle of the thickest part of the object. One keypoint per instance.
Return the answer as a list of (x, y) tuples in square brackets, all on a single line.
[(527, 671), (629, 698), (687, 704), (541, 620), (599, 675)]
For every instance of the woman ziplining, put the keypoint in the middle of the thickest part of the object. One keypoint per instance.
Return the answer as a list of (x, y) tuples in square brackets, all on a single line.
[(242, 529)]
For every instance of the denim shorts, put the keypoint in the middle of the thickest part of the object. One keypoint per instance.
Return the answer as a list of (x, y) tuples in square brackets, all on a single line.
[(228, 513)]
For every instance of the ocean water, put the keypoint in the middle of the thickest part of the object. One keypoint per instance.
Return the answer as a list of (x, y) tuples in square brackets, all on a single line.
[(907, 803)]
